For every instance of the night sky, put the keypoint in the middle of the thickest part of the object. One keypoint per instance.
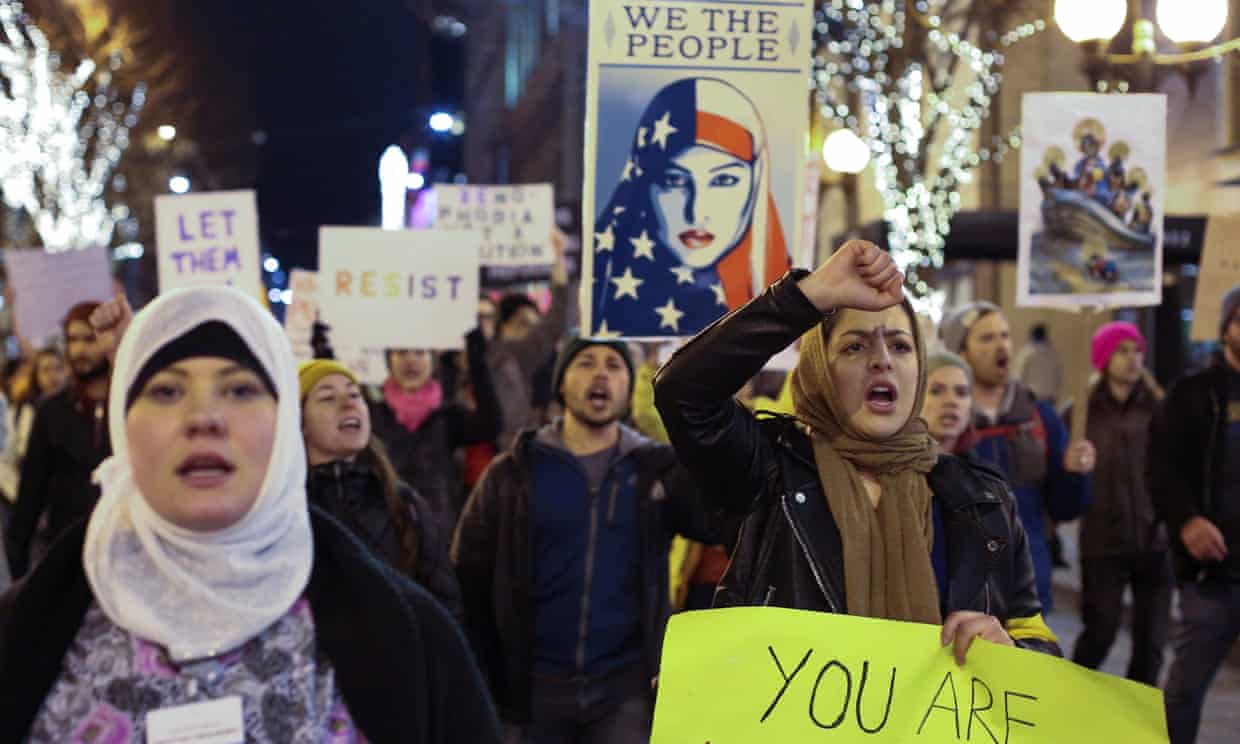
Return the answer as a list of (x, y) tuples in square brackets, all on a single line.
[(326, 86)]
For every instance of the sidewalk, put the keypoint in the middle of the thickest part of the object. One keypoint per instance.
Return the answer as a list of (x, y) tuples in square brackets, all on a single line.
[(1221, 718)]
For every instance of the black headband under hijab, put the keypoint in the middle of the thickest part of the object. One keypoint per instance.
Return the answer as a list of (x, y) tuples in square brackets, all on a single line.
[(213, 338)]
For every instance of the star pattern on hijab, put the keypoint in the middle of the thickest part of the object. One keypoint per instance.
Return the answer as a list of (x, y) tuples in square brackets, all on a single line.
[(683, 274), (643, 246), (627, 284), (606, 240), (662, 130), (669, 316)]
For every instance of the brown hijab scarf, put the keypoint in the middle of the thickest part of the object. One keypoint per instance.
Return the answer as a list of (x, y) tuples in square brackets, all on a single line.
[(887, 568)]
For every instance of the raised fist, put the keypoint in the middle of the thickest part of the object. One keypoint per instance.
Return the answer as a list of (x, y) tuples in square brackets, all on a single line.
[(860, 276), (110, 320)]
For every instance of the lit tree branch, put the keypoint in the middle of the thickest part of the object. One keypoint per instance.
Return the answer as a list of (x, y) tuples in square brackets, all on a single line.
[(915, 69), (62, 133)]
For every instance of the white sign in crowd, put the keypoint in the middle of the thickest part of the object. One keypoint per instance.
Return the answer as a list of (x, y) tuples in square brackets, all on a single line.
[(515, 221), (209, 238), (399, 288)]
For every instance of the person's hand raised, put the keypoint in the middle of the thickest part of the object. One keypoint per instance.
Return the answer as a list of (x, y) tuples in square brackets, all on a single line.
[(110, 321), (860, 275)]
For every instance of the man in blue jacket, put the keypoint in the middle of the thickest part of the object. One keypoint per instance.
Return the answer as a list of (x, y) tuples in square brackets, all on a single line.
[(562, 554), (1024, 438)]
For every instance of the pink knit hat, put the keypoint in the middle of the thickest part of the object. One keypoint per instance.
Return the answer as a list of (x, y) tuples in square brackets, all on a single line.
[(1111, 336)]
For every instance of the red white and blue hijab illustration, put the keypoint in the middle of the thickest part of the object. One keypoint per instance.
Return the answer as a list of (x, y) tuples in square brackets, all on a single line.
[(691, 230)]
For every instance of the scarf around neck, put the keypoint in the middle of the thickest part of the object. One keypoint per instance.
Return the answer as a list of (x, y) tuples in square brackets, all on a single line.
[(887, 569), (200, 594), (412, 408)]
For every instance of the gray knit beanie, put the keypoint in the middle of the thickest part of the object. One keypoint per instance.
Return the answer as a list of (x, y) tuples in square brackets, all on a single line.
[(954, 330), (1231, 301), (940, 359)]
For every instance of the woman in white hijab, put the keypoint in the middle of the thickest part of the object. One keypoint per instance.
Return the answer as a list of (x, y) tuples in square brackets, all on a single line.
[(203, 594)]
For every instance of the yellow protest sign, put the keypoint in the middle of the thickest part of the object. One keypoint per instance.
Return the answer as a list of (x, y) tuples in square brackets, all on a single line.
[(758, 674)]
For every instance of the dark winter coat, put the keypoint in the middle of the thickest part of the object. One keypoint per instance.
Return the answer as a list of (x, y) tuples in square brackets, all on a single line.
[(1121, 518), (424, 458), (353, 494), (492, 551), (68, 440), (790, 552), (404, 670), (1186, 464)]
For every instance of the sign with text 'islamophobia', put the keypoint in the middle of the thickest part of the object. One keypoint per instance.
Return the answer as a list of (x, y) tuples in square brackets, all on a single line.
[(515, 221), (399, 288), (695, 158), (762, 674), (209, 238)]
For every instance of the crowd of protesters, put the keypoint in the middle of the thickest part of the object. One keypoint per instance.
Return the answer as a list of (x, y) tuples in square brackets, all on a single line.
[(190, 515)]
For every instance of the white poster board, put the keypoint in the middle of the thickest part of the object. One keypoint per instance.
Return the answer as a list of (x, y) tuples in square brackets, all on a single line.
[(209, 238), (1093, 183), (515, 221), (399, 288), (696, 131), (368, 364), (1220, 271), (45, 285)]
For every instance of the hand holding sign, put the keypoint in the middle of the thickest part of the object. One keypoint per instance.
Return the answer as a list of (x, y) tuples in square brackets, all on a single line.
[(860, 275), (961, 628), (110, 321)]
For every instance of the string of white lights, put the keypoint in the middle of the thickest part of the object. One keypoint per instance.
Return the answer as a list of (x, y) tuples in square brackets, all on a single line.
[(62, 132), (904, 67)]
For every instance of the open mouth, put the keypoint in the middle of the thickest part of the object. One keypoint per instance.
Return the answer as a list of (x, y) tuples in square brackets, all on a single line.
[(205, 470), (696, 239), (598, 397), (1002, 362), (949, 420), (881, 397), (350, 424)]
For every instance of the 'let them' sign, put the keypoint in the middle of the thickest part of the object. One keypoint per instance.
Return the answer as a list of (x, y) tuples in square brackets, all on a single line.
[(208, 239)]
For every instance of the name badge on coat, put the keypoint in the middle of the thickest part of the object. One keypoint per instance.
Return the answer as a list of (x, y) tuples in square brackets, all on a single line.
[(213, 722)]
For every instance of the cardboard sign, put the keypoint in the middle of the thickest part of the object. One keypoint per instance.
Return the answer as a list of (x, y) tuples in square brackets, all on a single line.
[(209, 238), (776, 675), (1093, 183), (399, 288), (515, 221), (48, 284), (1220, 271), (368, 364), (696, 134)]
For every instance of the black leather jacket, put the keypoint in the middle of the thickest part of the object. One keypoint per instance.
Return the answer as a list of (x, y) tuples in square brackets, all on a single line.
[(789, 553)]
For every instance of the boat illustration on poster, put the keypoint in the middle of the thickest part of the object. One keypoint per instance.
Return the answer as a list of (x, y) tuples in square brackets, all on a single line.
[(1091, 221)]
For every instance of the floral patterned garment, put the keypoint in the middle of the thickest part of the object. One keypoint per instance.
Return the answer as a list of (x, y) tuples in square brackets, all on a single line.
[(110, 681)]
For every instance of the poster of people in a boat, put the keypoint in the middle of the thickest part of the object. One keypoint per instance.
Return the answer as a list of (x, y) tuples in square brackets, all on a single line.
[(1093, 182), (695, 159)]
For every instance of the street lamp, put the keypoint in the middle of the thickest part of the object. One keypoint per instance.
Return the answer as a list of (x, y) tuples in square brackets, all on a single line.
[(1094, 20), (1191, 24), (393, 187), (845, 152)]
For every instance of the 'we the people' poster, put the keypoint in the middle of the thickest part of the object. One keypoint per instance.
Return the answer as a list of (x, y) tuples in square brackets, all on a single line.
[(696, 133), (209, 238), (1093, 183)]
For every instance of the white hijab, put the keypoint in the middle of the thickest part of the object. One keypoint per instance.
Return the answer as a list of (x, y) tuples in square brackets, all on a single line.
[(200, 594)]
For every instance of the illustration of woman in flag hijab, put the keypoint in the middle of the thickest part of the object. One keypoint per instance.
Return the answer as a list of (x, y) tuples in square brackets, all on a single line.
[(691, 231)]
